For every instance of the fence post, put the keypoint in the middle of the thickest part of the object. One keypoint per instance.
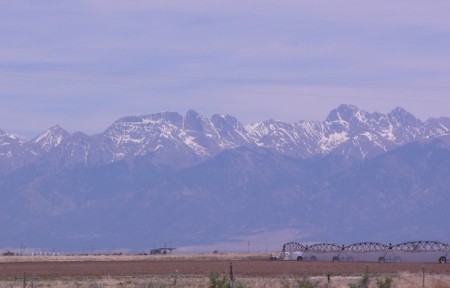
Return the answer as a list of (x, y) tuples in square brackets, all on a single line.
[(423, 277), (231, 275)]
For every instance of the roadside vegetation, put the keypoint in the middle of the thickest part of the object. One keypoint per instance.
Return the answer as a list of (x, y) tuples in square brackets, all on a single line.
[(400, 280)]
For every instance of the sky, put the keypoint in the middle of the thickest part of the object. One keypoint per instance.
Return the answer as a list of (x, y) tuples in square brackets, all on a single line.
[(84, 64)]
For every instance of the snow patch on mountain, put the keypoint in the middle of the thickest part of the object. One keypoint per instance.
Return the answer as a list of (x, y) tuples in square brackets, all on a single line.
[(347, 131), (51, 138)]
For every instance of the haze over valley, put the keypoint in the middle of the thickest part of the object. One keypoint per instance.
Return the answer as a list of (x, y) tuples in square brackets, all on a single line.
[(218, 183)]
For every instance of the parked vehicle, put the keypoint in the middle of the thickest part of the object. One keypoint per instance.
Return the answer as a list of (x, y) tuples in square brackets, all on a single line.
[(292, 251), (294, 255)]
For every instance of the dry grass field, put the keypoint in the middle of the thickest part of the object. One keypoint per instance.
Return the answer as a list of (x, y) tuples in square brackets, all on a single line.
[(250, 270)]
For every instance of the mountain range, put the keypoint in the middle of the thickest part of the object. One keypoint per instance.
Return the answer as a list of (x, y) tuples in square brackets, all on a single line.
[(193, 180)]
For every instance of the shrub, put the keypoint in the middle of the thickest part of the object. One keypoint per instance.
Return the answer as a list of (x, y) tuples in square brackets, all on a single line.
[(384, 283), (215, 281), (305, 283), (364, 282)]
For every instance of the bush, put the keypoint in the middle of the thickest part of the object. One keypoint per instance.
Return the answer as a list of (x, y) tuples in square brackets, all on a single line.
[(364, 282), (384, 283), (305, 283), (215, 281)]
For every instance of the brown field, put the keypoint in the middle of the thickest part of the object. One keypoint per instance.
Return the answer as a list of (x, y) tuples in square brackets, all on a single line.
[(247, 268), (193, 271)]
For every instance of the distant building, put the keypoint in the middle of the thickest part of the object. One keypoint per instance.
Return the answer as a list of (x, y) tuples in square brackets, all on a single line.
[(164, 250)]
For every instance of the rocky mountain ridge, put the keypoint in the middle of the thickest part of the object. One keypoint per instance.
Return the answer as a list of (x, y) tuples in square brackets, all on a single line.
[(192, 138)]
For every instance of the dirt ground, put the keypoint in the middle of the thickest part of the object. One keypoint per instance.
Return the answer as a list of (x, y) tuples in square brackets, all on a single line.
[(198, 267)]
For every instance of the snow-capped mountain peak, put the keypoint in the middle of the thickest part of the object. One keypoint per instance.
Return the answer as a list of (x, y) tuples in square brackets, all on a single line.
[(51, 138), (347, 131)]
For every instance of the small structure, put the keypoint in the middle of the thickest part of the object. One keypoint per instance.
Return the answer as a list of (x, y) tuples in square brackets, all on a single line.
[(8, 253), (163, 251)]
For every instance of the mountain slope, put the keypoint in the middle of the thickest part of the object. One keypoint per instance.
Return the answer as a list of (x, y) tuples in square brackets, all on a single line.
[(405, 188), (192, 138), (193, 181), (244, 191)]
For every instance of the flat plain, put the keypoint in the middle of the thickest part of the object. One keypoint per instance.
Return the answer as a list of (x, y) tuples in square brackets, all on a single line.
[(187, 268)]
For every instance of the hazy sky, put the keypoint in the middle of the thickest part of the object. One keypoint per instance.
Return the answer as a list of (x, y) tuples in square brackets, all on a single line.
[(84, 64)]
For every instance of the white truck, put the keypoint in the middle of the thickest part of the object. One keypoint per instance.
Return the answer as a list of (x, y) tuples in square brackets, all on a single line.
[(293, 255)]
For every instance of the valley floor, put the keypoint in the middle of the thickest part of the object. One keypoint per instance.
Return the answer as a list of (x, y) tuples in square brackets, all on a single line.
[(195, 271)]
